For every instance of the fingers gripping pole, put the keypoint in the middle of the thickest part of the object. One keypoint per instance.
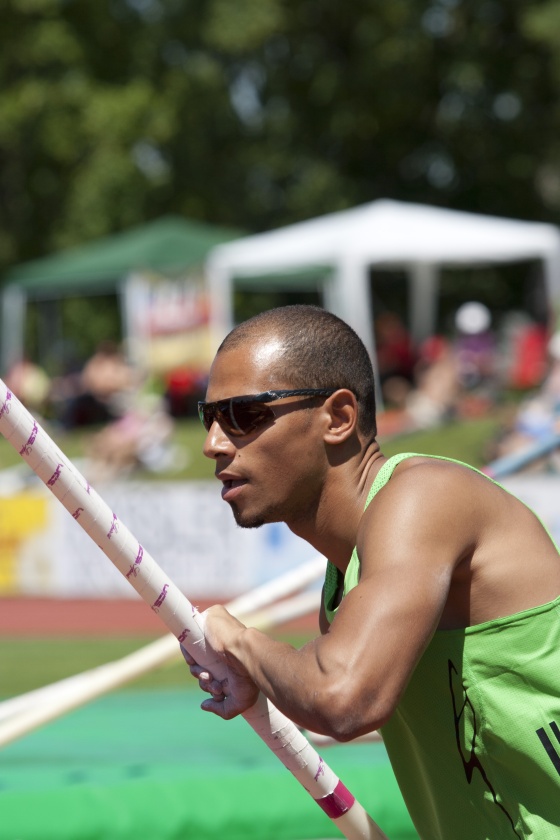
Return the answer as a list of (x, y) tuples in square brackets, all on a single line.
[(64, 481)]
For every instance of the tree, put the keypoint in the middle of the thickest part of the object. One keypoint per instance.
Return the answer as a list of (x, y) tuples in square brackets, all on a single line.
[(262, 112)]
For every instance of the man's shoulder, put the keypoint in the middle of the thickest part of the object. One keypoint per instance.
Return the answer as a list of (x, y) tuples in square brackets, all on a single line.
[(429, 486), (418, 470)]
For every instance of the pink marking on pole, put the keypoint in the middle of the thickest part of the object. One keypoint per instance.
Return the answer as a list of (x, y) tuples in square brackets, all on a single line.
[(114, 527), (160, 598), (320, 769), (5, 409), (77, 513), (134, 568), (28, 445), (184, 634), (55, 476), (337, 803)]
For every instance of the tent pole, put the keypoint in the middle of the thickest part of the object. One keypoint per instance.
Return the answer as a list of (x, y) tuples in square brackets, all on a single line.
[(14, 305), (219, 283), (551, 270), (351, 295), (423, 293), (131, 292)]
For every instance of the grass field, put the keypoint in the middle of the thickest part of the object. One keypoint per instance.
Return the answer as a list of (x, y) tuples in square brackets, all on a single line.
[(29, 663)]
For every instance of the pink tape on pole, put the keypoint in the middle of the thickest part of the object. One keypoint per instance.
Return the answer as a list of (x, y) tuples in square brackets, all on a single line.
[(337, 803)]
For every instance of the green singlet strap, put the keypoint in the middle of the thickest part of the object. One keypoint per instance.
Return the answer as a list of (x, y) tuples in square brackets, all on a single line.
[(386, 472)]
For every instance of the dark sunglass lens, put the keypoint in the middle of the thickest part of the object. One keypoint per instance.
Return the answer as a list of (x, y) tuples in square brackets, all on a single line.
[(235, 418), (246, 417)]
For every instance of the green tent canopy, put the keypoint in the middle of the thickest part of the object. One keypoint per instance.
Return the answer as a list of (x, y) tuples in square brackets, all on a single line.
[(170, 245)]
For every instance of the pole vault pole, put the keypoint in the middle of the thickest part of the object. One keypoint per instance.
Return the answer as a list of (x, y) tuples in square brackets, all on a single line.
[(153, 585)]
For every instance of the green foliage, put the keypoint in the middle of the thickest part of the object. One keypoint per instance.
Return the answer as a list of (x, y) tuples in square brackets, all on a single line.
[(64, 333), (262, 112)]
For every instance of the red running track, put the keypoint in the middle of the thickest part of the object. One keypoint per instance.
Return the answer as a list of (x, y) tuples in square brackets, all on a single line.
[(91, 617)]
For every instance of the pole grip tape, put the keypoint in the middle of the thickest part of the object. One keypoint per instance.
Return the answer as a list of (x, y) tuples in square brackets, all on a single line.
[(337, 803)]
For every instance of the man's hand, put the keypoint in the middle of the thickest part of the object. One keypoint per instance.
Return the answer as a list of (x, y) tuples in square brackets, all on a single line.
[(237, 692)]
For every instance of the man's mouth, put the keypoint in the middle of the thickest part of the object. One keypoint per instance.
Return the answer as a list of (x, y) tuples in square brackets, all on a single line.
[(231, 487)]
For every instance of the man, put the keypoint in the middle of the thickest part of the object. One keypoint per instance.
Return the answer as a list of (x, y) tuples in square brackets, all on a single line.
[(441, 611)]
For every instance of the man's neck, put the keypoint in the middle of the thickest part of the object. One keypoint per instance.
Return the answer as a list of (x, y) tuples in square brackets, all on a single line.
[(333, 528)]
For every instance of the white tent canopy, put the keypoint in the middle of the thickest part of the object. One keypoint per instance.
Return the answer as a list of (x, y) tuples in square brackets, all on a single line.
[(419, 239)]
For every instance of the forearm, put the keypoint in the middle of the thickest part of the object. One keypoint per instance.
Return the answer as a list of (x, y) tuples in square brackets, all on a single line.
[(297, 682)]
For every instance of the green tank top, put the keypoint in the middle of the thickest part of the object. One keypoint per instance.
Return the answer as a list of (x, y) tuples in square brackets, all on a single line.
[(475, 741)]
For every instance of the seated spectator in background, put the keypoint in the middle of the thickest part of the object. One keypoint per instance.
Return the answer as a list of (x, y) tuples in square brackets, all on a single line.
[(395, 354), (105, 388), (527, 356), (538, 416), (475, 345), (141, 437), (184, 387), (31, 385), (435, 395)]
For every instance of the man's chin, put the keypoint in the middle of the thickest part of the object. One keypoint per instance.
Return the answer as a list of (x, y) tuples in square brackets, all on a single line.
[(249, 523), (245, 520)]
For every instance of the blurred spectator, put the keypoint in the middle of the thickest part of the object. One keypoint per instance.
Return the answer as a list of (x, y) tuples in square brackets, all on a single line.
[(528, 355), (140, 438), (538, 416), (184, 387), (30, 384), (103, 390), (395, 355), (475, 346), (551, 384), (434, 398)]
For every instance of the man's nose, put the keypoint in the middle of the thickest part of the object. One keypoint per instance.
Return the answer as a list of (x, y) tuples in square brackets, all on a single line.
[(217, 442)]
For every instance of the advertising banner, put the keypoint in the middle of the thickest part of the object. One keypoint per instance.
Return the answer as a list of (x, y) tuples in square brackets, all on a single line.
[(186, 527)]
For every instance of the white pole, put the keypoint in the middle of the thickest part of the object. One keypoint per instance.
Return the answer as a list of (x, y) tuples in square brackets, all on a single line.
[(62, 478)]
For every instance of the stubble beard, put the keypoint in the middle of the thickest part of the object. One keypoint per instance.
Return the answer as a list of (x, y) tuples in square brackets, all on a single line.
[(247, 521), (266, 517)]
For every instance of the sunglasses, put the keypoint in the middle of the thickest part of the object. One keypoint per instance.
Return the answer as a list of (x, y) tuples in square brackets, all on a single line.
[(242, 415)]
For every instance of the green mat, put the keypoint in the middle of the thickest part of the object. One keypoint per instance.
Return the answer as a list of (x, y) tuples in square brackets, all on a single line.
[(149, 765)]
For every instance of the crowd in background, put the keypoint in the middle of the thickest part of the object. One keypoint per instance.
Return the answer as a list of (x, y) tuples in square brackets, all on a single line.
[(130, 421), (468, 373), (444, 378)]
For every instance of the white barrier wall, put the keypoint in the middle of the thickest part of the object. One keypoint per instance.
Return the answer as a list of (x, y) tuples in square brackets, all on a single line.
[(542, 493), (186, 527)]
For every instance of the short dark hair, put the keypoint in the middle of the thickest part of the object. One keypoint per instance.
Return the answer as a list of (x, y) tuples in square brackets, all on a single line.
[(320, 350)]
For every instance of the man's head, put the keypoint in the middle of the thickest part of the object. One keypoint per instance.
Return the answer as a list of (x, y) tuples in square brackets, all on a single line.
[(290, 401), (313, 349)]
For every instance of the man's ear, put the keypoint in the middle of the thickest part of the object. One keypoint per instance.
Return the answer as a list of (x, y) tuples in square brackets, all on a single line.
[(342, 408)]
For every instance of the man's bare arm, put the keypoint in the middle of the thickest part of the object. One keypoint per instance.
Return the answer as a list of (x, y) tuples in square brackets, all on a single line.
[(350, 680)]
